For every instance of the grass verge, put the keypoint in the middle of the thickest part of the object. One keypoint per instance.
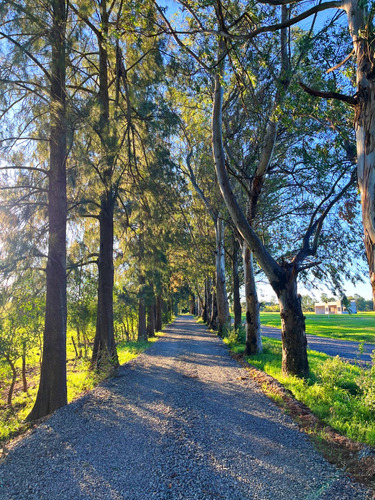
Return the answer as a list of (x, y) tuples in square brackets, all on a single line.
[(358, 327), (80, 379)]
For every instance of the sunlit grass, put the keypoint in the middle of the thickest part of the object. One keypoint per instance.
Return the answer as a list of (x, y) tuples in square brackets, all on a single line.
[(340, 394), (358, 327), (80, 378), (129, 350)]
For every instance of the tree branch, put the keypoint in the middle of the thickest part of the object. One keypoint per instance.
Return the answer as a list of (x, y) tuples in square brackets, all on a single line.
[(329, 95)]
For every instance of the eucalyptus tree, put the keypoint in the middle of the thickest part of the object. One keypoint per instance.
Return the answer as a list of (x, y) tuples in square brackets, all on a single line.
[(360, 16), (281, 273), (34, 38), (191, 98), (223, 315), (117, 72)]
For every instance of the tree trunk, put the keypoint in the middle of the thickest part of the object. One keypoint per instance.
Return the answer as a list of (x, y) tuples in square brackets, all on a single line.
[(294, 343), (24, 379), (364, 122), (206, 307), (192, 309), (75, 347), (253, 329), (142, 324), (213, 324), (223, 316), (236, 285), (13, 382), (200, 307), (294, 360), (151, 320), (158, 313), (52, 392), (104, 344), (79, 342)]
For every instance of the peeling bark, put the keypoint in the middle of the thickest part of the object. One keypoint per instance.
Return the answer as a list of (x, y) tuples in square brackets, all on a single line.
[(365, 124)]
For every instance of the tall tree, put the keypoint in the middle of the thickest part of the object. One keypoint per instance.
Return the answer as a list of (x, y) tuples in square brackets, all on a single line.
[(52, 392), (41, 46)]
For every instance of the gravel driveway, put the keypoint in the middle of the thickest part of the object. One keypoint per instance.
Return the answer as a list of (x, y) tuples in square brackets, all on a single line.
[(181, 421)]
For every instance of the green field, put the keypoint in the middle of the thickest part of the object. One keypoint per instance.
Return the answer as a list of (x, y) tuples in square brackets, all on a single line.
[(359, 327)]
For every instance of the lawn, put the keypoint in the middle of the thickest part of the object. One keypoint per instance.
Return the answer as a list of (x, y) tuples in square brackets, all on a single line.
[(358, 327)]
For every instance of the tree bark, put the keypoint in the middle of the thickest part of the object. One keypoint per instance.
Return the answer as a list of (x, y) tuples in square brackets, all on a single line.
[(52, 392), (142, 322), (104, 344), (213, 324), (365, 125), (236, 285), (294, 343), (158, 314), (223, 316), (192, 309), (24, 379), (253, 343), (151, 319), (206, 306)]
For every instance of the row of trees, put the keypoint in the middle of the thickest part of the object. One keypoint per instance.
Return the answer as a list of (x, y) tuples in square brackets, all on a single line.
[(142, 155), (308, 303)]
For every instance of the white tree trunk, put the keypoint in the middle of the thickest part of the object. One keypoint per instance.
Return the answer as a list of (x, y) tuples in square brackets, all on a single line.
[(221, 288), (365, 126)]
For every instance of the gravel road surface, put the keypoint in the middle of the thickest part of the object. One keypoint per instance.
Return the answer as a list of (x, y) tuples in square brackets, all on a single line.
[(182, 421), (346, 349)]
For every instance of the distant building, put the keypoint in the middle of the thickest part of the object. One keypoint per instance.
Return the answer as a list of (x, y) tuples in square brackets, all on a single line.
[(335, 308)]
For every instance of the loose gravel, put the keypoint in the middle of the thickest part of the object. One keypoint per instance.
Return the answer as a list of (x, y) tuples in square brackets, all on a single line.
[(182, 421)]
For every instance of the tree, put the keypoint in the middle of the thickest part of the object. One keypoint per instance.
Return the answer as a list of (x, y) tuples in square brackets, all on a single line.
[(52, 392), (360, 17), (194, 131), (282, 274), (308, 303), (38, 54)]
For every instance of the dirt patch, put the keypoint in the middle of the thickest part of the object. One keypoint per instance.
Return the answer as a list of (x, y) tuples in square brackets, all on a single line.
[(357, 459)]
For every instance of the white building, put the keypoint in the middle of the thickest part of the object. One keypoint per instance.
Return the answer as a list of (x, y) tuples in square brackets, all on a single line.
[(335, 308)]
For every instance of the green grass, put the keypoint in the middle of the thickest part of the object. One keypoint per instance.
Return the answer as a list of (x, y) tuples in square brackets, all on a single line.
[(130, 350), (340, 394), (80, 378), (358, 327)]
